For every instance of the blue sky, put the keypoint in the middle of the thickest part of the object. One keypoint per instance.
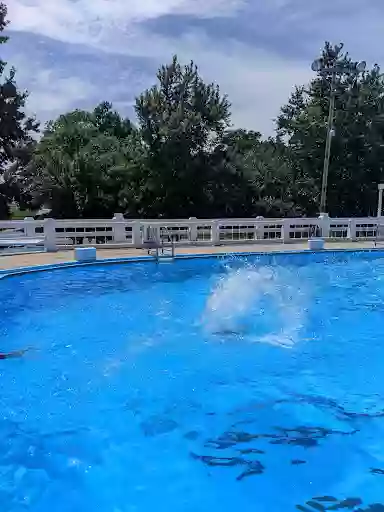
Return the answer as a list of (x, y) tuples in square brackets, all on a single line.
[(76, 53)]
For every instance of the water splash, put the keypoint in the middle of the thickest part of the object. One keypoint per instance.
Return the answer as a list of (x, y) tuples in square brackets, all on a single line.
[(259, 304)]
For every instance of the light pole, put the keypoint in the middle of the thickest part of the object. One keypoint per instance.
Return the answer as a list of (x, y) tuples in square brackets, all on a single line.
[(338, 69)]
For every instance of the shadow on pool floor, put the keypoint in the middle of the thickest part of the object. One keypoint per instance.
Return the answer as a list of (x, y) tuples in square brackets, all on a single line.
[(323, 503)]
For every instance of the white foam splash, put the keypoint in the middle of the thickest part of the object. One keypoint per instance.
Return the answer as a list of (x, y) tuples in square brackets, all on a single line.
[(258, 304)]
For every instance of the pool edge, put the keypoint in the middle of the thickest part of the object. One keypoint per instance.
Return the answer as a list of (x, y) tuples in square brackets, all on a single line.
[(135, 259)]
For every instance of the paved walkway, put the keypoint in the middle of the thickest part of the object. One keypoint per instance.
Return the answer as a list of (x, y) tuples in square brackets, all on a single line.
[(26, 260)]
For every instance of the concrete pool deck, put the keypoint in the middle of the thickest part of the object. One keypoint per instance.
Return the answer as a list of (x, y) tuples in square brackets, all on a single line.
[(11, 261)]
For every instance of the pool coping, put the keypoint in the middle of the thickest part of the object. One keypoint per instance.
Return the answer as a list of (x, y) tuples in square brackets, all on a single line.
[(137, 259)]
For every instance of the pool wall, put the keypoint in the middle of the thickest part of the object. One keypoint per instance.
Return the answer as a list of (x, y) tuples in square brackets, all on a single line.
[(273, 258)]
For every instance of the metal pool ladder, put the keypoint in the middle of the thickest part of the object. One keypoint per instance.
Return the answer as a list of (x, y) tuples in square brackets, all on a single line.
[(160, 245)]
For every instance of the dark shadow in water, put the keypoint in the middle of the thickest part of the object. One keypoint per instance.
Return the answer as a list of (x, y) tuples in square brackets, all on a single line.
[(250, 444), (219, 461), (324, 503), (252, 467), (322, 403), (307, 437), (158, 425), (377, 471), (338, 410)]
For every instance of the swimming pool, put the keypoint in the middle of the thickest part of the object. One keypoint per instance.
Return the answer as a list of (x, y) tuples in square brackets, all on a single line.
[(250, 384)]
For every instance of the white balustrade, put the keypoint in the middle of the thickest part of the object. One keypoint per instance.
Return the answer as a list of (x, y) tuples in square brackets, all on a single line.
[(120, 232), (365, 229), (341, 228)]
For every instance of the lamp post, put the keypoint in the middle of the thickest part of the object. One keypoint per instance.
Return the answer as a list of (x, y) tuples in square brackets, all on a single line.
[(335, 71)]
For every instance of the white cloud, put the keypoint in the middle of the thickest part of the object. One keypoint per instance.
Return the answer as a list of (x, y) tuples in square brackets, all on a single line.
[(54, 94), (258, 81), (110, 25), (51, 94), (84, 21)]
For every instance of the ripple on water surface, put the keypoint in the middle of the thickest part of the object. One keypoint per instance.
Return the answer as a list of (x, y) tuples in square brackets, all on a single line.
[(201, 385)]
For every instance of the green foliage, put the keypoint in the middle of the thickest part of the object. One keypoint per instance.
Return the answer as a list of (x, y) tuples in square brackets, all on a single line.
[(356, 165), (86, 163), (267, 173), (17, 214), (182, 122), (15, 126), (184, 159)]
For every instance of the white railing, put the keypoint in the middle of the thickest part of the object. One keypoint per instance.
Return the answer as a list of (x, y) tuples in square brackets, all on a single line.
[(119, 232)]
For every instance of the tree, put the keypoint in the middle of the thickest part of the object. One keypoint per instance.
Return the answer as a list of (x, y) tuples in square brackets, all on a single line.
[(85, 163), (15, 126), (268, 187), (357, 156), (185, 160), (16, 178), (183, 121)]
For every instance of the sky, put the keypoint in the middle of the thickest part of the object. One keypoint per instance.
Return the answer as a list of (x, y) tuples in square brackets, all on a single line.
[(76, 53)]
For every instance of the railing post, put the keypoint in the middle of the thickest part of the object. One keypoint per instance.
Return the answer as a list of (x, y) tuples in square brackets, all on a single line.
[(259, 228), (215, 233), (50, 242), (137, 241), (285, 230), (193, 229), (351, 232), (29, 227), (119, 234), (325, 225)]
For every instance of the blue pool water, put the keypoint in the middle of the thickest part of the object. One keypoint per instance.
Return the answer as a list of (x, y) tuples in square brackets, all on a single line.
[(252, 384)]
